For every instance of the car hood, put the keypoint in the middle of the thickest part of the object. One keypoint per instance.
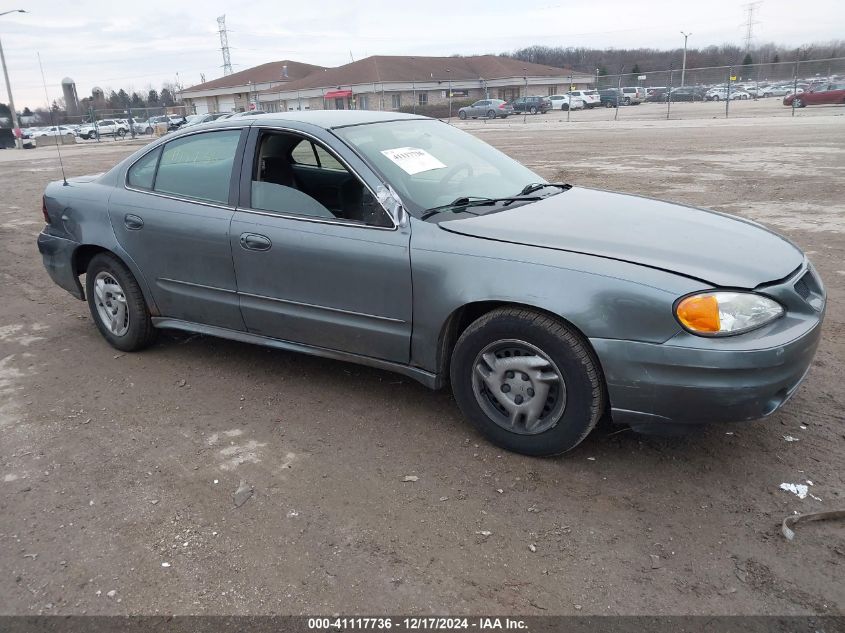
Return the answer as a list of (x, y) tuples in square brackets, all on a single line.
[(719, 249)]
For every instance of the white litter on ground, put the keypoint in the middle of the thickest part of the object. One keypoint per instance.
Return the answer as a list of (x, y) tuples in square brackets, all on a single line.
[(789, 438), (797, 489)]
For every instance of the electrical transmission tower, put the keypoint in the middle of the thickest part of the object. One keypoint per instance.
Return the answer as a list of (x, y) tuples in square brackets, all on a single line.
[(224, 45), (750, 9)]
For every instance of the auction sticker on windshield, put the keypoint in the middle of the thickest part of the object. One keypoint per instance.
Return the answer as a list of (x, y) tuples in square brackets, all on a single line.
[(413, 160)]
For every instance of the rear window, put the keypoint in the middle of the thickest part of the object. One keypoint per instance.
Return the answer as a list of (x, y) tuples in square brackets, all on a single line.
[(199, 166)]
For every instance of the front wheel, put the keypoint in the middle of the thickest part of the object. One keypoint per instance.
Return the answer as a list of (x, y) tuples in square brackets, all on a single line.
[(528, 382), (491, 114), (117, 304), (798, 103), (462, 115), (532, 110), (121, 132)]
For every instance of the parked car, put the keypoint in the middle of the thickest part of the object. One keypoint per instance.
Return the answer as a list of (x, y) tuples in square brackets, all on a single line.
[(487, 108), (565, 102), (656, 94), (685, 93), (55, 130), (759, 92), (106, 127), (721, 94), (826, 94), (531, 105), (633, 95), (142, 126), (196, 119), (404, 243), (590, 97), (610, 97), (176, 120), (780, 90)]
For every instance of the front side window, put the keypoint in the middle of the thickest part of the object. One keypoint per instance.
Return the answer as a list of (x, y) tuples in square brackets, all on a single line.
[(142, 174), (293, 175), (198, 166)]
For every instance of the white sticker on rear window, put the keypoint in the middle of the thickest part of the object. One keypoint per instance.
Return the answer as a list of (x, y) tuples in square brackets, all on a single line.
[(413, 160)]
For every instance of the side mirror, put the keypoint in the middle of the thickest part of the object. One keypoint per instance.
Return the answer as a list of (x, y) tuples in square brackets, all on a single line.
[(392, 204)]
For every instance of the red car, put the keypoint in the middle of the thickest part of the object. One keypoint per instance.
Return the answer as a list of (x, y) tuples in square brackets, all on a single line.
[(826, 93)]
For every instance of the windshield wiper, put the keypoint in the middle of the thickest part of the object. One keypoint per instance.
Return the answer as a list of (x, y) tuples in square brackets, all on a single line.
[(536, 186), (473, 201)]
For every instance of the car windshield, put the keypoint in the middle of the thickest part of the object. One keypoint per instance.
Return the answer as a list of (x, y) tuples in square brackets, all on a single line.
[(431, 163)]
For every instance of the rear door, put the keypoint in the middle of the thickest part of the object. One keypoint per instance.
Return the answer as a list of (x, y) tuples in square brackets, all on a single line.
[(317, 259), (172, 218)]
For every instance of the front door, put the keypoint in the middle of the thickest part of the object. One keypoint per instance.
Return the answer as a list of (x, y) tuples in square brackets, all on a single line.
[(317, 259), (172, 218)]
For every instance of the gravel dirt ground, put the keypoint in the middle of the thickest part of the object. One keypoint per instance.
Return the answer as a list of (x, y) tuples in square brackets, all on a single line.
[(117, 471)]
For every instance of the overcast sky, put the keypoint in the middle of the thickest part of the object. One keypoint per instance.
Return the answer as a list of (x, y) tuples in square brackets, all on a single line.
[(139, 45)]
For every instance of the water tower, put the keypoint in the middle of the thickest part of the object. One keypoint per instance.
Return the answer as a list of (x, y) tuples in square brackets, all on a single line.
[(71, 100)]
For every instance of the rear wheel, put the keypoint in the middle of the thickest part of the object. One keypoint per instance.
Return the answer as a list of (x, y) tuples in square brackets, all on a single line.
[(121, 132), (528, 382), (532, 110), (117, 304)]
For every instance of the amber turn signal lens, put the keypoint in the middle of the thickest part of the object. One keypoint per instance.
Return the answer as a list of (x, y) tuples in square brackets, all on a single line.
[(699, 313)]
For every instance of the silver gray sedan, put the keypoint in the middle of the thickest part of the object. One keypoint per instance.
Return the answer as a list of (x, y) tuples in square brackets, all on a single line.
[(487, 109), (403, 243)]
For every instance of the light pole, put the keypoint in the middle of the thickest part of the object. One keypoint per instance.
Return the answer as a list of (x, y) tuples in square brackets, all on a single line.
[(15, 126), (684, 61)]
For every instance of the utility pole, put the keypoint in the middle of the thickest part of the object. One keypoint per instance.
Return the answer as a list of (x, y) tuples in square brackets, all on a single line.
[(224, 45), (15, 125), (684, 61)]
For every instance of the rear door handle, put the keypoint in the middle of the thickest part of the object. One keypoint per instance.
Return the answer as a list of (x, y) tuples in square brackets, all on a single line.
[(255, 242), (133, 222)]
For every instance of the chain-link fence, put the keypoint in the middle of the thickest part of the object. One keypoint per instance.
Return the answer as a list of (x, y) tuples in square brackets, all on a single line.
[(772, 89), (109, 124)]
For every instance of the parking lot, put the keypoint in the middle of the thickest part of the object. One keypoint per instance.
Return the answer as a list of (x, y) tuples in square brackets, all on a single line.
[(118, 470)]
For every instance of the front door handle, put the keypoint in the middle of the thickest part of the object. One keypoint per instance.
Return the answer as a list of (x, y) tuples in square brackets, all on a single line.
[(133, 222), (255, 242)]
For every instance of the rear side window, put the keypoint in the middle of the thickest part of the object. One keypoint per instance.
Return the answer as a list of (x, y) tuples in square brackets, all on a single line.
[(142, 173), (199, 166)]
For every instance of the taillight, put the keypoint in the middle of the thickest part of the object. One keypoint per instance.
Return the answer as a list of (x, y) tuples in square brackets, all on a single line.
[(501, 106), (44, 209)]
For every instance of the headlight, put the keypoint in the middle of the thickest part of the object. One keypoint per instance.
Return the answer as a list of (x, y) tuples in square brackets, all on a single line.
[(726, 313)]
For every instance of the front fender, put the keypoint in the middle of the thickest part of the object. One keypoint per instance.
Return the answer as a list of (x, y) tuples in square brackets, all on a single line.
[(602, 298)]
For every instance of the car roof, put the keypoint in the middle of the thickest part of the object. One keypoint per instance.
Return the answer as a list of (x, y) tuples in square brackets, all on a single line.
[(322, 118)]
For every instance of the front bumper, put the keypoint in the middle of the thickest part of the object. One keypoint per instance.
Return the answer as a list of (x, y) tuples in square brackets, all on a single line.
[(691, 380), (57, 253)]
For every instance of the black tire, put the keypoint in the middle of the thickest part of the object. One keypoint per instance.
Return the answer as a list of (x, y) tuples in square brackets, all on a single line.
[(141, 332), (532, 110), (462, 115), (799, 103), (491, 114), (121, 132), (585, 394), (608, 104), (627, 100), (564, 106)]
